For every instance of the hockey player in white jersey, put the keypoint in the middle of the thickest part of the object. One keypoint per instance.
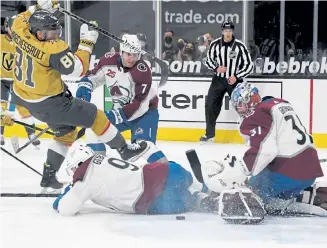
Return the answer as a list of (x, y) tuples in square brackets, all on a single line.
[(135, 101), (154, 188), (281, 159)]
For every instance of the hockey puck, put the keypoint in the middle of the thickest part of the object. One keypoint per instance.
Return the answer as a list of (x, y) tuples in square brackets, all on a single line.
[(180, 217)]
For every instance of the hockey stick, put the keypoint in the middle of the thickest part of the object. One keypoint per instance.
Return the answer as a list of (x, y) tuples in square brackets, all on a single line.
[(195, 164), (161, 63), (15, 142), (81, 133), (28, 195), (33, 127), (22, 162)]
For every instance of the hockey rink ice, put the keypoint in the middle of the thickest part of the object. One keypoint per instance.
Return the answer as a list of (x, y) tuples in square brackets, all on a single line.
[(31, 222)]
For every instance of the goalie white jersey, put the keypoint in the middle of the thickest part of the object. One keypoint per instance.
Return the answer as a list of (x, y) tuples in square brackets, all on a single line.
[(115, 184), (279, 141), (130, 88)]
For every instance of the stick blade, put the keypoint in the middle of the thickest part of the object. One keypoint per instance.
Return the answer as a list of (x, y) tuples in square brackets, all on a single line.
[(195, 164), (15, 143)]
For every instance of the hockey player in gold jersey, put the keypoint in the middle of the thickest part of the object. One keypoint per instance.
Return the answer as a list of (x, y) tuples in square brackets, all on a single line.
[(41, 59), (6, 76)]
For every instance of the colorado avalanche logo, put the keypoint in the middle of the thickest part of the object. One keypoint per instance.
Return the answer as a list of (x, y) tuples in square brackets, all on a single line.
[(120, 95), (115, 90), (141, 67)]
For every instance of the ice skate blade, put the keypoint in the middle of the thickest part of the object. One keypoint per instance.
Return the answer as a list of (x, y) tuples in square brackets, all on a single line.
[(209, 142), (15, 143), (49, 190), (37, 147)]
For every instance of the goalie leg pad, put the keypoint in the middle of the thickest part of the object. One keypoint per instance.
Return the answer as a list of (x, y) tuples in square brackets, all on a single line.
[(314, 195), (240, 206)]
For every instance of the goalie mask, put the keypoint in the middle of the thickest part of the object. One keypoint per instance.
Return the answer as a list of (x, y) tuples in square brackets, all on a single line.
[(130, 50), (222, 175), (78, 156), (244, 98)]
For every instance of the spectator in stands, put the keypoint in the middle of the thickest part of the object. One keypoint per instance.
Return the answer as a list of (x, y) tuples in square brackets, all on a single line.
[(254, 50), (181, 43), (188, 53), (209, 37), (169, 49), (202, 45)]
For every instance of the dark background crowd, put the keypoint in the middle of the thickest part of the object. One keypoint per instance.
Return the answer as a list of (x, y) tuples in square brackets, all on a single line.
[(263, 39)]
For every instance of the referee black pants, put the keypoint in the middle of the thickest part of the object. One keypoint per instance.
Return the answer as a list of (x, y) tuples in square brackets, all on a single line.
[(218, 88)]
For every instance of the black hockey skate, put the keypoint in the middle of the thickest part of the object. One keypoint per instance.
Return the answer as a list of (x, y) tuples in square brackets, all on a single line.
[(204, 139), (2, 140), (133, 152), (49, 181)]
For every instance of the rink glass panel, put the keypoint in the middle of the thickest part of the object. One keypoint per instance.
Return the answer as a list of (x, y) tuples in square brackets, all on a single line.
[(191, 19), (115, 17)]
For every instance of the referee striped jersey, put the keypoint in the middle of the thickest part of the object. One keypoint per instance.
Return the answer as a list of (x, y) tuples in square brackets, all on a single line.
[(234, 55)]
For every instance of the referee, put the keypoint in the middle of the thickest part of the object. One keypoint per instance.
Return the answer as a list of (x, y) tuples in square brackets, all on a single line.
[(231, 61)]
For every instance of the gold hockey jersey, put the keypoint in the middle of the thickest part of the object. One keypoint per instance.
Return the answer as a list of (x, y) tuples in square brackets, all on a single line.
[(7, 57), (40, 64)]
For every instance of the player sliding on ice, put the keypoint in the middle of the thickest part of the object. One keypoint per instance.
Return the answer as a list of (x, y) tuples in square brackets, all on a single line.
[(135, 101), (155, 188), (281, 158)]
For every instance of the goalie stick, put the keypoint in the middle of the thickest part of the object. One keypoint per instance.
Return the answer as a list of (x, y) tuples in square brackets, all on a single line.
[(195, 164), (161, 63)]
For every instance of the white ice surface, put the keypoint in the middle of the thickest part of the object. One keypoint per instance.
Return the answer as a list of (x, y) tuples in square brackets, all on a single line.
[(31, 222)]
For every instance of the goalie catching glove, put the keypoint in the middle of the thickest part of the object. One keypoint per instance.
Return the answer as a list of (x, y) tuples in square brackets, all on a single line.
[(227, 174)]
